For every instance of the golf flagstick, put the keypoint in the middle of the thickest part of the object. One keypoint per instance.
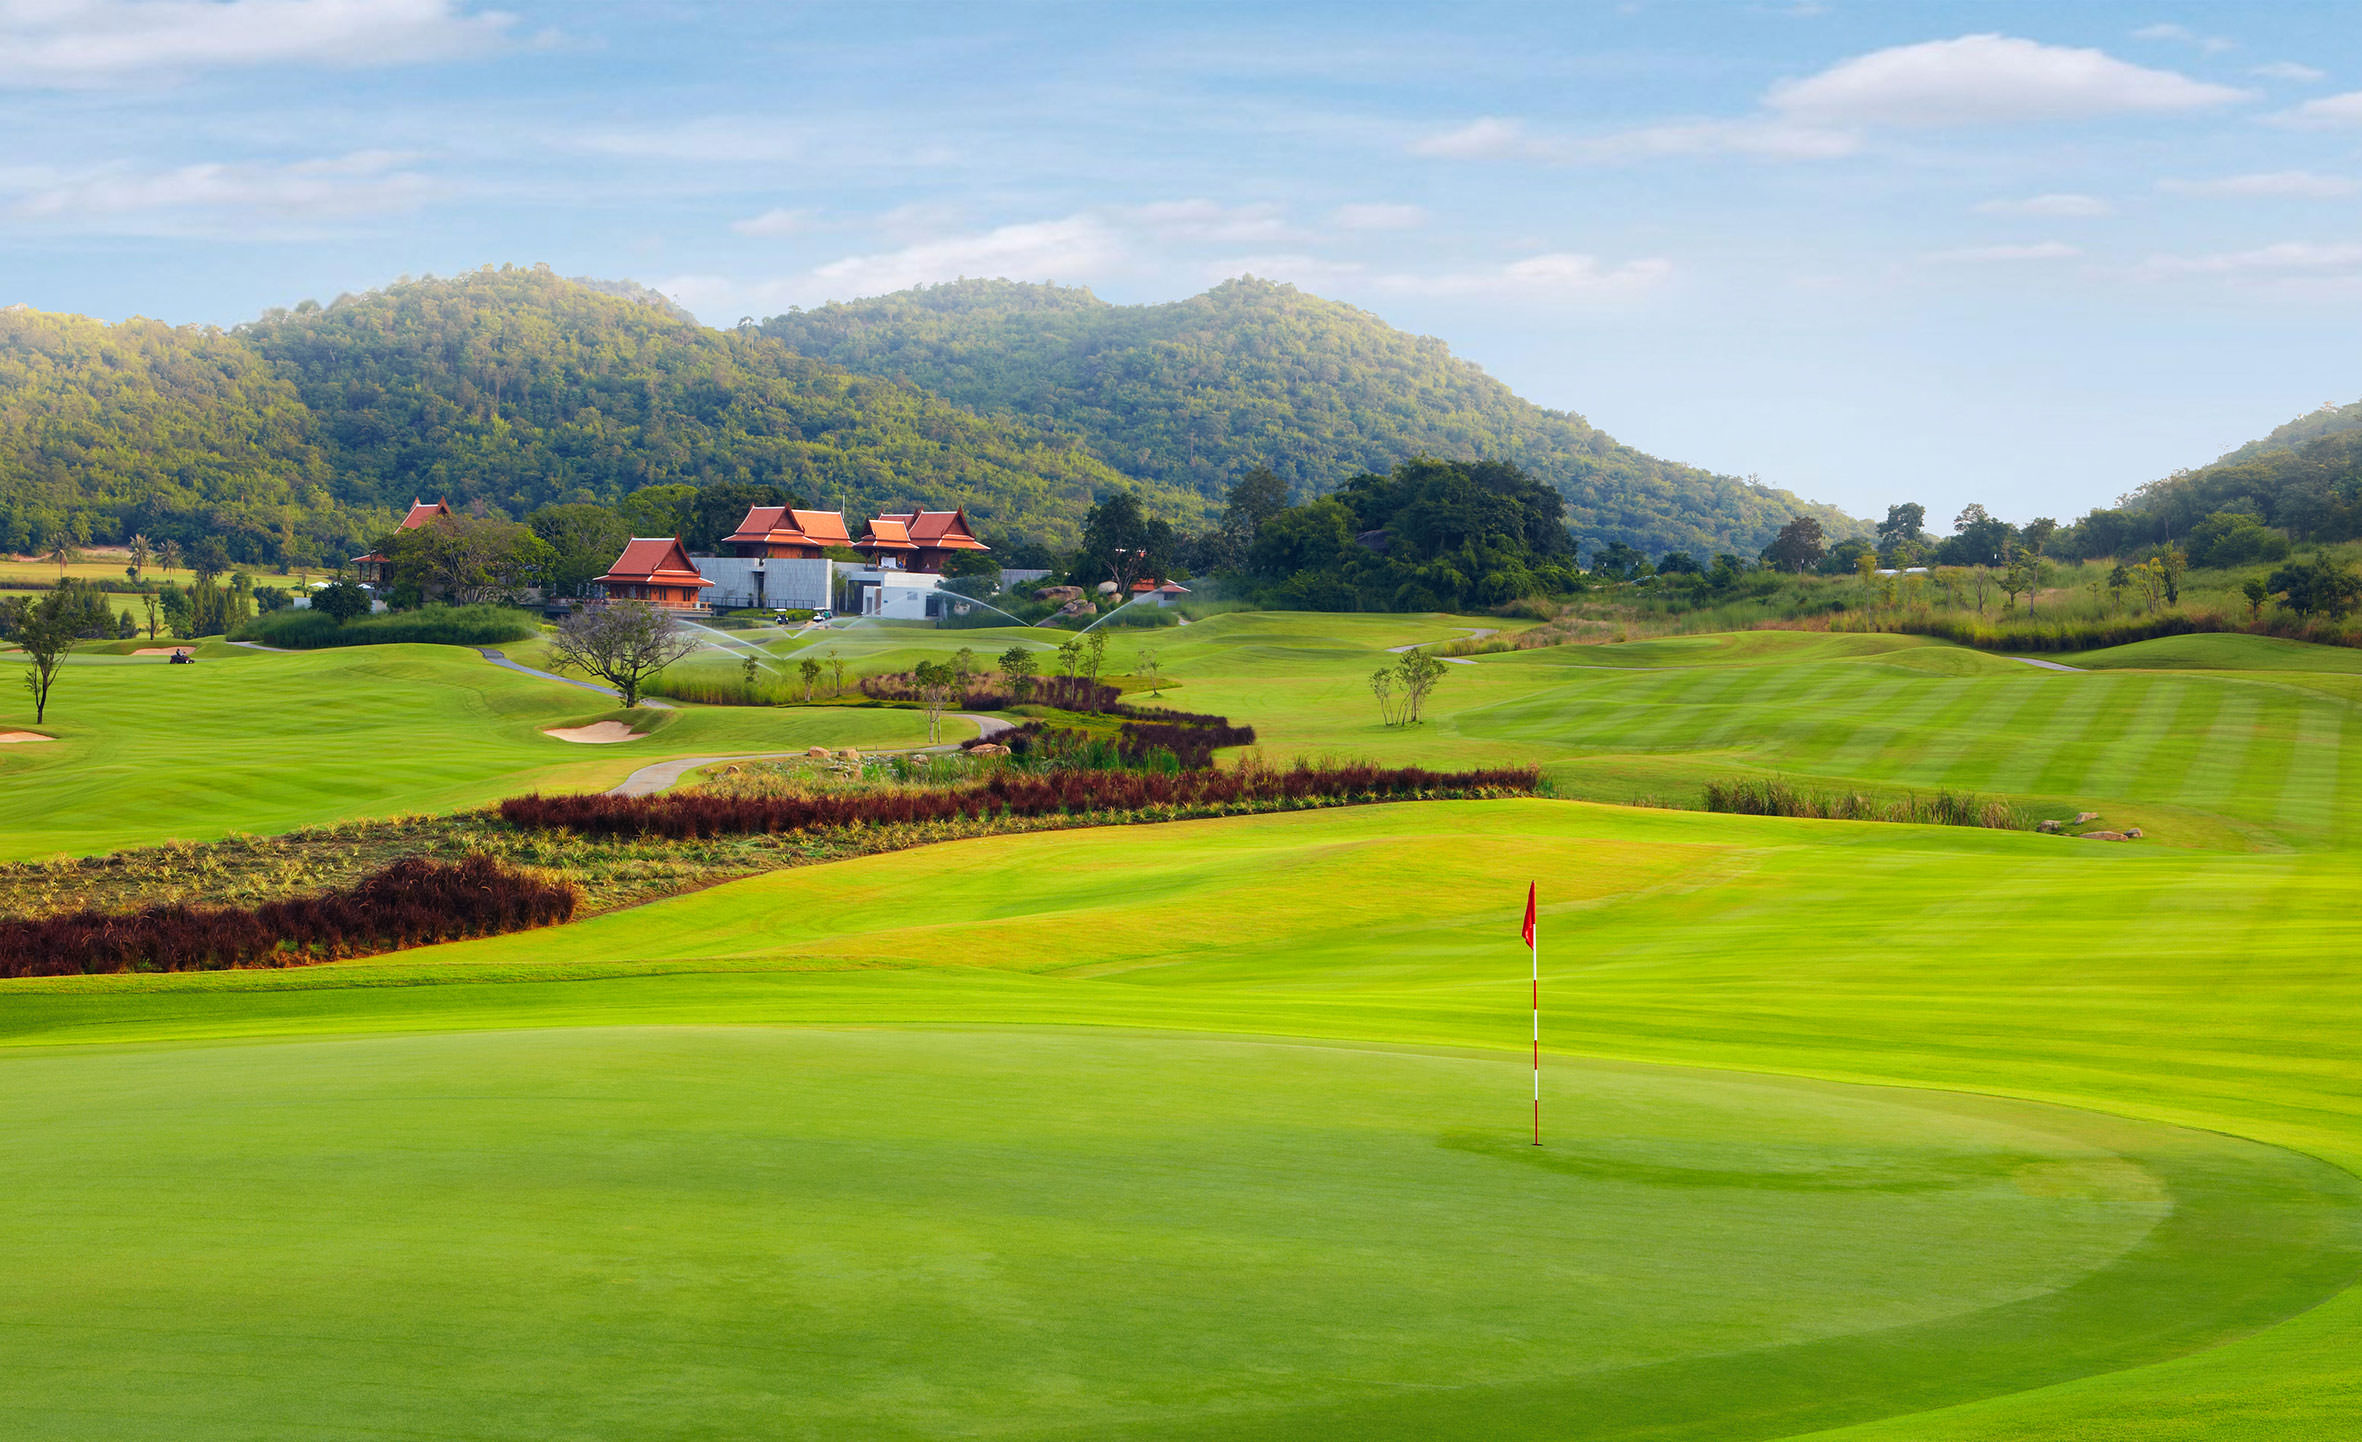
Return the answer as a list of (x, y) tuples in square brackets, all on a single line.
[(1533, 940)]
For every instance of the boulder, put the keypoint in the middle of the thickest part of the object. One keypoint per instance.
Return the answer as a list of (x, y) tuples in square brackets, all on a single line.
[(2047, 828), (1059, 593), (988, 748), (818, 753), (2132, 833), (1078, 607), (2104, 836), (1107, 588), (2083, 816), (848, 754)]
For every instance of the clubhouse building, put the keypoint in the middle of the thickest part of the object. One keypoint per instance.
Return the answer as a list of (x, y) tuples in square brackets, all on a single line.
[(778, 558), (377, 568)]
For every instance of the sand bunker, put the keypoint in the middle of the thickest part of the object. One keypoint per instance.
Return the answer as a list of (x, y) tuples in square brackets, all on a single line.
[(11, 738), (598, 734), (155, 650)]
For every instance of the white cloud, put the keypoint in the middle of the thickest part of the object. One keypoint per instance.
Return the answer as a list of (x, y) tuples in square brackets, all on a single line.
[(1556, 276), (711, 139), (1378, 216), (1206, 220), (2289, 70), (2301, 184), (2008, 254), (61, 43), (775, 222), (1988, 79), (1486, 138), (1770, 138), (2293, 259), (2060, 204), (218, 198), (2329, 112), (2183, 33), (1069, 249)]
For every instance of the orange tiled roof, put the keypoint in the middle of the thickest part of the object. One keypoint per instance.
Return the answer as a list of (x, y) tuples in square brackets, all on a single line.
[(656, 559), (947, 530), (759, 524), (421, 513), (826, 528), (889, 533)]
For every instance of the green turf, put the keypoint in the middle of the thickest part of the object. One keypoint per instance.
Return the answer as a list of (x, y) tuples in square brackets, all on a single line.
[(248, 741), (2223, 653), (689, 1208), (995, 1138)]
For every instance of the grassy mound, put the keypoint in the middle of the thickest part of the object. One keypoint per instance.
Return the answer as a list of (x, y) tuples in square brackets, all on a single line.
[(429, 625), (2223, 653)]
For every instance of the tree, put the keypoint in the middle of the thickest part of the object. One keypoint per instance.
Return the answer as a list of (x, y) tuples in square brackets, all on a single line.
[(2172, 561), (148, 600), (1018, 665), (209, 559), (963, 662), (341, 601), (1094, 656), (1981, 579), (836, 671), (469, 560), (2037, 533), (583, 540), (2319, 587), (168, 555), (2019, 577), (1070, 655), (1799, 546), (748, 669), (2118, 579), (1417, 673), (937, 684), (1679, 563), (1122, 543), (1904, 522), (809, 669), (1255, 497), (62, 549), (1382, 687), (2257, 593), (1147, 663), (46, 634), (622, 643), (141, 553)]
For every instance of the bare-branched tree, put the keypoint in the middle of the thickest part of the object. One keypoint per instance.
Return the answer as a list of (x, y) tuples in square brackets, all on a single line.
[(622, 643)]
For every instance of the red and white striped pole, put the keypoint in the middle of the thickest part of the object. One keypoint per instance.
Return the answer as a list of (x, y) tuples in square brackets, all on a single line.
[(1533, 939)]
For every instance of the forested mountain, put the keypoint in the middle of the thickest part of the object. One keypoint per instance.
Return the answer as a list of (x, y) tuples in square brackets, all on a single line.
[(303, 434), (2305, 477), (1252, 373)]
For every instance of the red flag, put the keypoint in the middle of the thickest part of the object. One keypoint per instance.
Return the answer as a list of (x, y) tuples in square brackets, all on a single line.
[(1528, 933)]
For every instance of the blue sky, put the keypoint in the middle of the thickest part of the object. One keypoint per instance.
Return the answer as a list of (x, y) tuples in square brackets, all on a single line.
[(2028, 255)]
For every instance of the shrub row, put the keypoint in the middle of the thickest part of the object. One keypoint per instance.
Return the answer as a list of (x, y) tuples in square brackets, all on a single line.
[(1749, 797), (293, 630), (410, 903), (981, 693), (697, 815)]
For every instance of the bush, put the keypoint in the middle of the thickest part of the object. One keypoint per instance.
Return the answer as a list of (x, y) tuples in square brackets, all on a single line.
[(432, 625), (685, 816), (409, 903), (1773, 797)]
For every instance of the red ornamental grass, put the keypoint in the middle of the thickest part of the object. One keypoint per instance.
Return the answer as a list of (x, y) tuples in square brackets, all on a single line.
[(409, 903), (697, 816)]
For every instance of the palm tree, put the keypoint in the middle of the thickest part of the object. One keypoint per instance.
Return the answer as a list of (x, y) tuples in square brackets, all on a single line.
[(140, 553), (168, 555)]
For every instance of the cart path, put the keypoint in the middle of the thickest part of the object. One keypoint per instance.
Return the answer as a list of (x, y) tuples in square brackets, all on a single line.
[(2048, 665), (661, 775), (497, 659)]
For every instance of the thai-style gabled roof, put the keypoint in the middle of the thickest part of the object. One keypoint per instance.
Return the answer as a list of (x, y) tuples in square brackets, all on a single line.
[(421, 513), (786, 526), (888, 533), (826, 528), (941, 530), (655, 560)]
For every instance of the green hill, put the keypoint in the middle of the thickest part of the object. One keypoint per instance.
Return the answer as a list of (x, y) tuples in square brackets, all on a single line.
[(301, 434), (1251, 373), (2305, 477)]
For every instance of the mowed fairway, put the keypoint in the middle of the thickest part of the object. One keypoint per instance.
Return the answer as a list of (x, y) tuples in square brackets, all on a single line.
[(1007, 1138), (257, 742)]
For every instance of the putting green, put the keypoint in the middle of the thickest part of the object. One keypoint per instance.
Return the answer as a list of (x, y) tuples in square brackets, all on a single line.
[(693, 1232)]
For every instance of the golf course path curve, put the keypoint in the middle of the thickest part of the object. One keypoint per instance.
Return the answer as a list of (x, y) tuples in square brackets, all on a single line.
[(660, 775), (2048, 665), (497, 659)]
